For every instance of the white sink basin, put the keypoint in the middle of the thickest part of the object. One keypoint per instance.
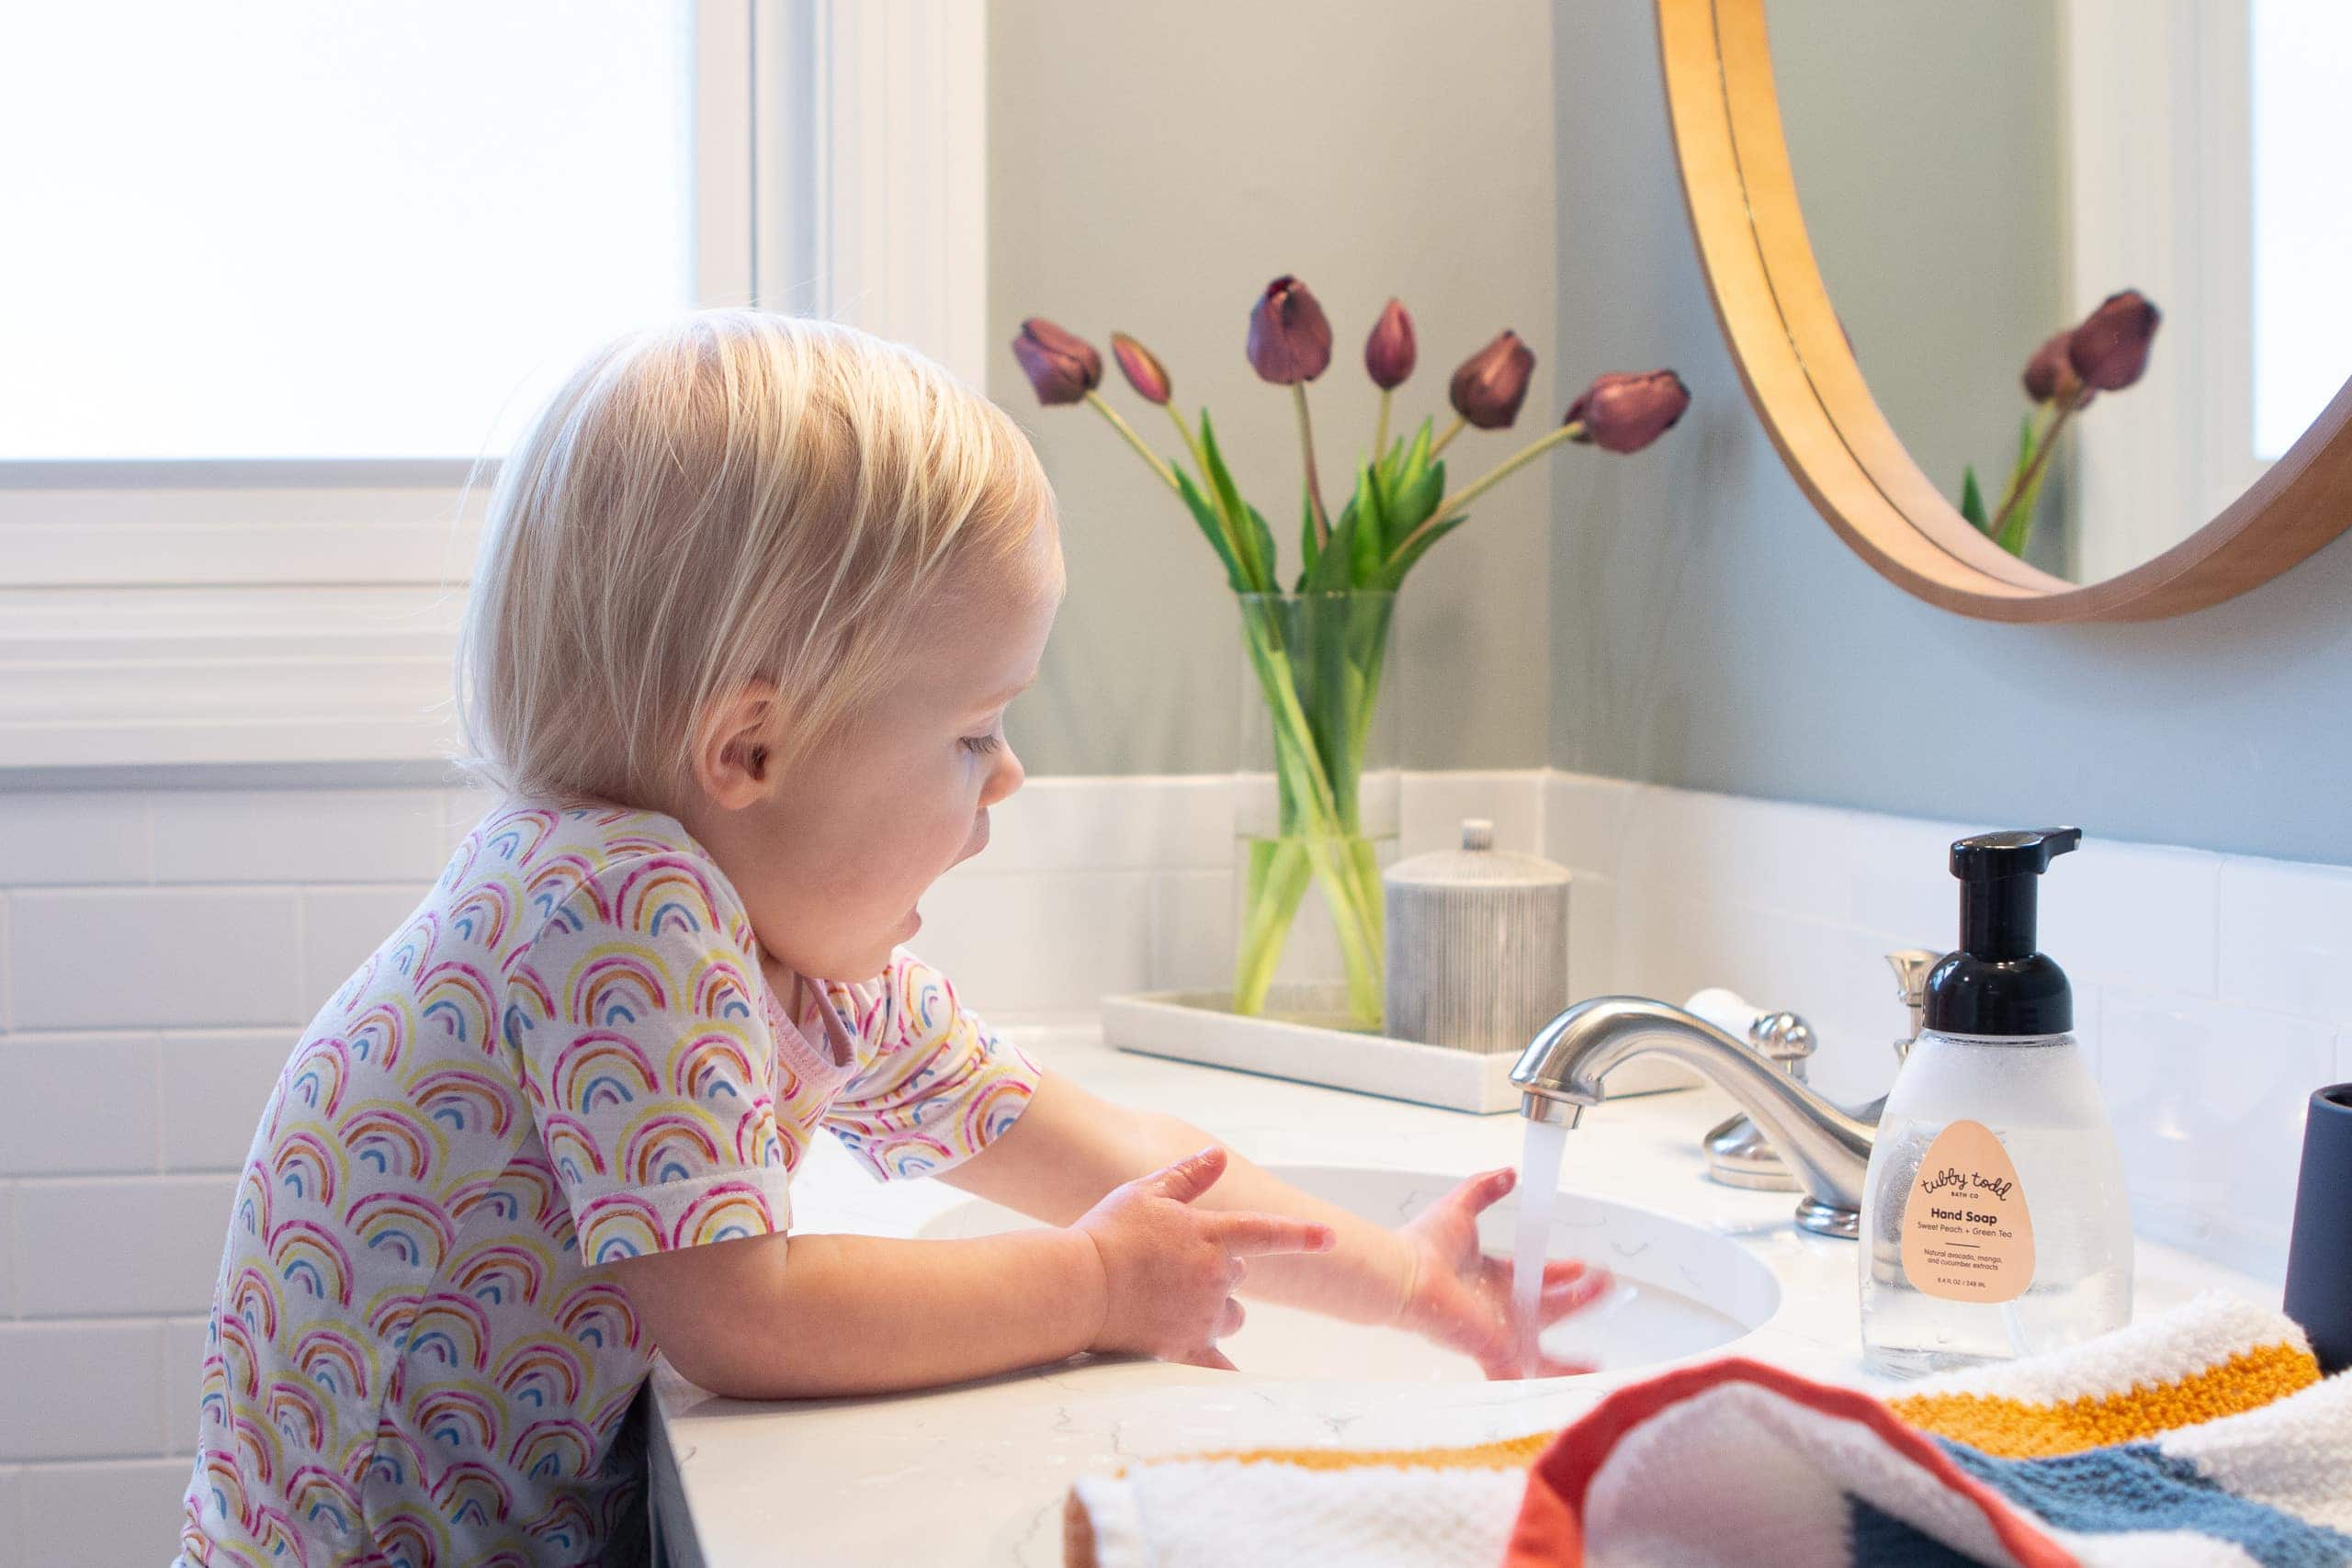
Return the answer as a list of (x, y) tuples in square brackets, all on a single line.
[(1679, 1290)]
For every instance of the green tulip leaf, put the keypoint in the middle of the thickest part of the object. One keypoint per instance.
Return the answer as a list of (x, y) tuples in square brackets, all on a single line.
[(1413, 503), (1395, 576), (1367, 531), (1231, 509), (1972, 501), (1263, 541), (1333, 559), (1310, 554), (1212, 529), (1329, 573), (2014, 536)]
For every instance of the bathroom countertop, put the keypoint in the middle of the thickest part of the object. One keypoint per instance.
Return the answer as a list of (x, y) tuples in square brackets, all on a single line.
[(975, 1474)]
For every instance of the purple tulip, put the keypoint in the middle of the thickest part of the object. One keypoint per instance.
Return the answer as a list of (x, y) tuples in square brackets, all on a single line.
[(1624, 412), (2048, 375), (1141, 368), (1492, 383), (1388, 353), (1061, 365), (2110, 350), (1290, 338)]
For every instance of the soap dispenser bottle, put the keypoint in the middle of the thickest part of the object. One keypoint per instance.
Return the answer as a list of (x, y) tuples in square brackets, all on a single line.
[(1993, 1218)]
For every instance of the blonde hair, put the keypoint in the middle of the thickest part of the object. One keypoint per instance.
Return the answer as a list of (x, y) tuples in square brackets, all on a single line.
[(737, 497)]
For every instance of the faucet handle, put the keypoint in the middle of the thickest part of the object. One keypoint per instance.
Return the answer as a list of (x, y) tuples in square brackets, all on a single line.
[(1911, 966), (1783, 1037)]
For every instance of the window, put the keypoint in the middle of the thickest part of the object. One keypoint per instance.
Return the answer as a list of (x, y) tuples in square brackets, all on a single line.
[(285, 229), (2302, 215), (278, 272)]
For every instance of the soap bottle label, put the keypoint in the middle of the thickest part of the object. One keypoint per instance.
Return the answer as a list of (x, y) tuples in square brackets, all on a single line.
[(1967, 1234)]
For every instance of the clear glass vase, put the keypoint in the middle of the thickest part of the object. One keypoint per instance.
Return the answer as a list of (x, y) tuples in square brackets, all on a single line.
[(1314, 805)]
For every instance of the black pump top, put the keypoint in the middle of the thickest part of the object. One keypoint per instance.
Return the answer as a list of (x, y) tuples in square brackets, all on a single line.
[(1997, 984)]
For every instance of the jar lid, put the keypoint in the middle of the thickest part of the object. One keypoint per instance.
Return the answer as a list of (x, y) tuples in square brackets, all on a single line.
[(1478, 863)]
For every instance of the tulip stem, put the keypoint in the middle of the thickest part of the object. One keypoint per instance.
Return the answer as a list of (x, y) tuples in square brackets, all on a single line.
[(1451, 432), (1502, 470), (1379, 430), (1306, 446), (1159, 465), (2021, 483), (1191, 442)]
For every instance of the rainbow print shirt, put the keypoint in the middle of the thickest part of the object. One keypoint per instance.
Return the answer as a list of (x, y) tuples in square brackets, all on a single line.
[(568, 1054)]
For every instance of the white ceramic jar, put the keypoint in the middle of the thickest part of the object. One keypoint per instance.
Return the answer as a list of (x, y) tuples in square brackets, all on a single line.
[(1477, 944)]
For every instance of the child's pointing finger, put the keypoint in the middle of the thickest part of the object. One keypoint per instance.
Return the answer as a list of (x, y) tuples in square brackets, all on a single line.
[(1255, 1235)]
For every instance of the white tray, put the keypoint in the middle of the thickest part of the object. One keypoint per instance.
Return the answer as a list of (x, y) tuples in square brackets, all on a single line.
[(1307, 1042)]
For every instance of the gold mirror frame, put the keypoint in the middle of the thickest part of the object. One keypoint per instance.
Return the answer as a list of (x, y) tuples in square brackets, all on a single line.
[(1800, 373)]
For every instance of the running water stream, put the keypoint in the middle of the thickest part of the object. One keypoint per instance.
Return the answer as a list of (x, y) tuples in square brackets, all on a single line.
[(1539, 1180)]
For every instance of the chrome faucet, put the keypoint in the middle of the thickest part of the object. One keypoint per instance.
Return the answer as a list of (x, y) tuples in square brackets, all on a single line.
[(1559, 1074)]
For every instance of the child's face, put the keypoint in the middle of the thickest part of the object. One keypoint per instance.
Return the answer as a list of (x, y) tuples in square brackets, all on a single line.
[(832, 854)]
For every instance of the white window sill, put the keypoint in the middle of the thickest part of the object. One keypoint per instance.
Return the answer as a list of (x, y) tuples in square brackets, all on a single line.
[(111, 677), (180, 614)]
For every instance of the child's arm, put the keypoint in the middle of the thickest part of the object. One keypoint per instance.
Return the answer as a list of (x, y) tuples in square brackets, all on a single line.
[(1428, 1276), (1070, 1147), (805, 1316), (1144, 1270)]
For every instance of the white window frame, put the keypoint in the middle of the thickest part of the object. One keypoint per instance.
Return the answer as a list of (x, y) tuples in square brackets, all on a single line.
[(304, 612), (2165, 83)]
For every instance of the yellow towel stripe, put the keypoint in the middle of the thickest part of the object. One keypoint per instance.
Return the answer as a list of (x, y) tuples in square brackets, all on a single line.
[(1506, 1453), (2012, 1429)]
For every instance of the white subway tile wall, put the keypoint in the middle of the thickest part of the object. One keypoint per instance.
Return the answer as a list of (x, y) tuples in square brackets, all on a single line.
[(160, 951), (117, 957), (78, 1103), (104, 1513), (12, 1532), (79, 1390), (2214, 992), (2282, 937), (184, 1340)]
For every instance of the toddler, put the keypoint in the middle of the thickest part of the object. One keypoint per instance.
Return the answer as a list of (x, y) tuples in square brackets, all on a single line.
[(754, 596)]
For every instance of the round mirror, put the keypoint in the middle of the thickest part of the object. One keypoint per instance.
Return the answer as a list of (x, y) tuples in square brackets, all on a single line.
[(1917, 220)]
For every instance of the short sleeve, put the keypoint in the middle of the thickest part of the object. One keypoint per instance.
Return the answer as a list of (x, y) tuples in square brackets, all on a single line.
[(942, 1085), (649, 1063)]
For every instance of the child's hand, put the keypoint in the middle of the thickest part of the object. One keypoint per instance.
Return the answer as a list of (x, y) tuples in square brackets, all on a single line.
[(1461, 1297), (1170, 1270)]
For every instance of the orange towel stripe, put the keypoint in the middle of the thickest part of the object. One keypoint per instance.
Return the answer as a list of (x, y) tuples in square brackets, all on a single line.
[(2011, 1428), (1506, 1453), (2004, 1427)]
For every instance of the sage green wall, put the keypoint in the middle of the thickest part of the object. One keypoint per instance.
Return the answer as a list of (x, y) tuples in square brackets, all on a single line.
[(1711, 632), (1149, 169), (1946, 252)]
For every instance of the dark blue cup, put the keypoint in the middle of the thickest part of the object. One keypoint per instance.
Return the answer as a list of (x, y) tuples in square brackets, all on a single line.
[(2319, 1258)]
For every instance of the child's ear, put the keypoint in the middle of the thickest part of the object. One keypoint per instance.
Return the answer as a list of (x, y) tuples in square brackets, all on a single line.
[(730, 761)]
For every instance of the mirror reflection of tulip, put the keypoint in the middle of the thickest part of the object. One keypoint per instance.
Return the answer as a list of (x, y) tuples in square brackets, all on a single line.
[(2110, 350), (2105, 352), (2049, 376)]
